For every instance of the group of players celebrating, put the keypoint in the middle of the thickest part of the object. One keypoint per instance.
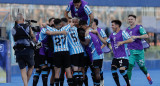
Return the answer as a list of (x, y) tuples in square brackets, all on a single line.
[(68, 46)]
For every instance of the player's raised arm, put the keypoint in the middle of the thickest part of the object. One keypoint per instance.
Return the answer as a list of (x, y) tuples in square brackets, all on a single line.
[(99, 36), (67, 11), (90, 14)]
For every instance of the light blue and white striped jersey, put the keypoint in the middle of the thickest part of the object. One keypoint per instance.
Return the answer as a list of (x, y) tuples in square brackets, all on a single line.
[(60, 41), (88, 12), (43, 34), (102, 33), (75, 46), (94, 52)]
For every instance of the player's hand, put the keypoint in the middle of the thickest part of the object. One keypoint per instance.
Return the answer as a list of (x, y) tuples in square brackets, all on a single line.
[(38, 45), (94, 31), (44, 25), (72, 24), (134, 37), (120, 43), (64, 32), (87, 33)]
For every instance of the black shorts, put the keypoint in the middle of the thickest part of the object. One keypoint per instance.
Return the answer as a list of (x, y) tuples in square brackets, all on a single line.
[(86, 61), (40, 60), (25, 58), (77, 59), (51, 62), (120, 63), (97, 63), (62, 59)]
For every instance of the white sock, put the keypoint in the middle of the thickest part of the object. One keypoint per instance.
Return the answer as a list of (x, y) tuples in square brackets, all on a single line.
[(148, 74), (130, 81)]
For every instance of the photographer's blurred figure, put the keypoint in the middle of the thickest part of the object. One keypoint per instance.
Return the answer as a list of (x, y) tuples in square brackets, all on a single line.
[(22, 34)]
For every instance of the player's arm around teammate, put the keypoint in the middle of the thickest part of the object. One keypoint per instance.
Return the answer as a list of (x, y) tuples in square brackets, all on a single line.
[(94, 50)]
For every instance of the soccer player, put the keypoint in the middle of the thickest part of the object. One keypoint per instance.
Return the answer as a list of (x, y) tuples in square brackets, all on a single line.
[(94, 50), (65, 22), (103, 35), (118, 40), (49, 53), (86, 61), (80, 9), (41, 65), (77, 53), (61, 51), (137, 33)]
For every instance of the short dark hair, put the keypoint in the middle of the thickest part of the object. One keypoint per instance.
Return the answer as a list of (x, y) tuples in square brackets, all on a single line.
[(117, 22), (57, 21), (82, 22), (64, 20), (69, 18), (131, 15), (76, 1), (50, 19), (96, 21)]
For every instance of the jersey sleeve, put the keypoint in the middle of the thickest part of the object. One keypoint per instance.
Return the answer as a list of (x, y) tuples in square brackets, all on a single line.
[(88, 37), (108, 40), (87, 10), (68, 8), (43, 31), (13, 31), (142, 30), (66, 28), (103, 34), (125, 35)]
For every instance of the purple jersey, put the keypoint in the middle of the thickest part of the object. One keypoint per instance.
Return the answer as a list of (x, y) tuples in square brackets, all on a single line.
[(105, 49), (80, 13), (94, 48), (119, 51), (137, 44)]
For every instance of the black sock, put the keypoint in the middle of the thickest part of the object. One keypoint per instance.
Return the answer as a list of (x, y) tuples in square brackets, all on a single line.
[(61, 80), (70, 82), (80, 74), (56, 82), (75, 78), (97, 83), (44, 79), (116, 78), (51, 84), (36, 77), (35, 80), (125, 76), (101, 74), (45, 76), (126, 79)]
